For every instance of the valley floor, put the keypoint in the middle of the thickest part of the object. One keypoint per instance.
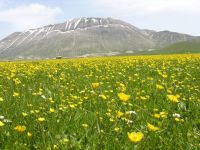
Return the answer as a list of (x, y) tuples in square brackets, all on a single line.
[(127, 102)]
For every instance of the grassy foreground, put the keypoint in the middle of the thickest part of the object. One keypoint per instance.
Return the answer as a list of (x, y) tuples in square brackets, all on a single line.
[(136, 102)]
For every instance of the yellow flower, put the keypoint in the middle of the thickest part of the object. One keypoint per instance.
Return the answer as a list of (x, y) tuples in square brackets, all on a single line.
[(163, 114), (41, 119), (173, 98), (103, 97), (15, 94), (135, 136), (24, 114), (119, 114), (52, 110), (65, 140), (179, 120), (85, 125), (1, 99), (1, 124), (95, 85), (151, 127), (17, 81), (116, 129), (29, 134), (156, 116), (159, 87), (123, 97), (20, 128)]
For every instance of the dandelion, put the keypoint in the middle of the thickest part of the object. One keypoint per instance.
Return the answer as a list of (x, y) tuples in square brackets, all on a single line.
[(123, 97), (135, 137), (151, 127), (20, 128)]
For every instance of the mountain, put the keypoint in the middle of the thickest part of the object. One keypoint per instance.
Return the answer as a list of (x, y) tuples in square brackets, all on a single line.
[(85, 37)]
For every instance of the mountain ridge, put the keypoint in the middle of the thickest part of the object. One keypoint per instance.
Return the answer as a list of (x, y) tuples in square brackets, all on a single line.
[(85, 36)]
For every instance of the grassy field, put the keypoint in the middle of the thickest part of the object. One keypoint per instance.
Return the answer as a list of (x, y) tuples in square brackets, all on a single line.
[(133, 102)]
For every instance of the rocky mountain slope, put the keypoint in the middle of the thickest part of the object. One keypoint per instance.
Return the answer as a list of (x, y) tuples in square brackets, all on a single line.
[(85, 37)]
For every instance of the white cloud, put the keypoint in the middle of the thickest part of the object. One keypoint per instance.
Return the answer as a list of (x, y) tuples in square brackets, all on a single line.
[(150, 6), (29, 16)]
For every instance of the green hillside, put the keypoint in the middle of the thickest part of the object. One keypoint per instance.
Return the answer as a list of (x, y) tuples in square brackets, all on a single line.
[(179, 48), (182, 47)]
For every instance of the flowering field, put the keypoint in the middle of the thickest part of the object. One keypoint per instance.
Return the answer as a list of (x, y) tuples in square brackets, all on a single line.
[(136, 102)]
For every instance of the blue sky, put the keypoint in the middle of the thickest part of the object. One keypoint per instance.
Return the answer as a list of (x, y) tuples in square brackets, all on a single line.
[(175, 15)]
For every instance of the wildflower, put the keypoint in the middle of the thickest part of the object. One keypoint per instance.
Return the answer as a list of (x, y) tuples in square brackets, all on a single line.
[(159, 87), (72, 106), (52, 110), (29, 134), (179, 120), (116, 129), (157, 116), (16, 81), (1, 124), (24, 114), (95, 85), (15, 94), (163, 114), (85, 125), (20, 128), (131, 112), (119, 114), (135, 136), (1, 99), (111, 120), (173, 98), (123, 97), (7, 121), (65, 140), (103, 97), (176, 115), (151, 127), (41, 119), (2, 117)]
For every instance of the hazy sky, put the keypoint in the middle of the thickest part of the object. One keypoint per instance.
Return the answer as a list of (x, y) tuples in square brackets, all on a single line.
[(175, 15)]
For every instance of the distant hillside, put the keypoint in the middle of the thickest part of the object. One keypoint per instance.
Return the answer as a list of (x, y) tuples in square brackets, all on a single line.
[(183, 47), (177, 48)]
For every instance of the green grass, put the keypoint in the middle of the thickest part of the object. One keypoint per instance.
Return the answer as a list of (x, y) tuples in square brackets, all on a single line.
[(80, 116)]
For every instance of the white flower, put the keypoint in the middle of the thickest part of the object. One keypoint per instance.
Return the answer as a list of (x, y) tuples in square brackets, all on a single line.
[(7, 121), (131, 112), (176, 115), (2, 117), (43, 96), (129, 122)]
